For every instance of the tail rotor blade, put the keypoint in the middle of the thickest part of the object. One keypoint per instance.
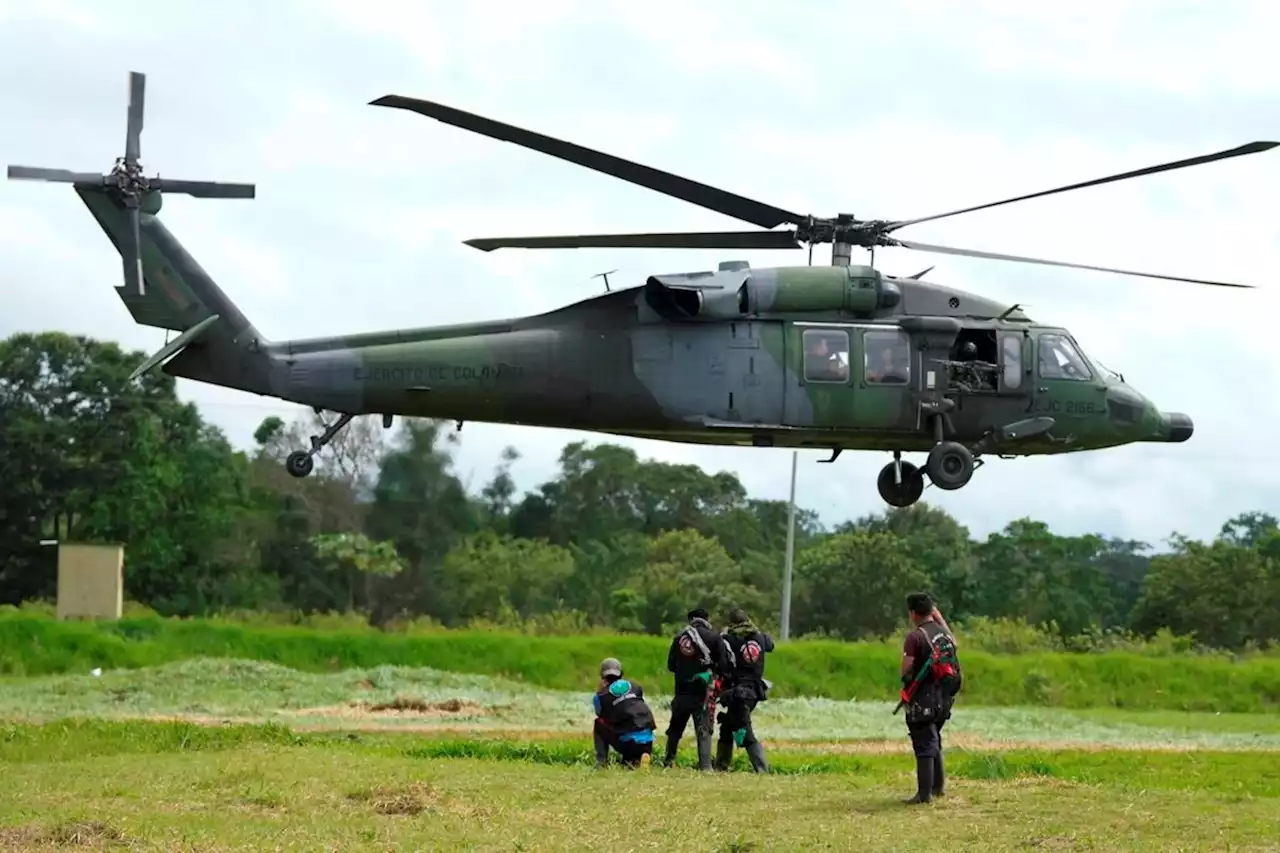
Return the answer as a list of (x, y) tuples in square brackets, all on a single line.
[(204, 189), (131, 253), (62, 176), (137, 102)]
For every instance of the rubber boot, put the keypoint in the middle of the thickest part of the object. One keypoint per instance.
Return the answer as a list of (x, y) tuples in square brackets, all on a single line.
[(724, 755), (669, 759), (602, 752), (939, 777), (924, 782), (755, 752), (704, 751)]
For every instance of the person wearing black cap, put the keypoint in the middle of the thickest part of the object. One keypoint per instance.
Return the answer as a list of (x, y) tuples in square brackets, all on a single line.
[(696, 657), (623, 719)]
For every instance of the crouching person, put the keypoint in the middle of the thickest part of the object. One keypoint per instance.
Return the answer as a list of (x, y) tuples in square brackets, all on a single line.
[(623, 719)]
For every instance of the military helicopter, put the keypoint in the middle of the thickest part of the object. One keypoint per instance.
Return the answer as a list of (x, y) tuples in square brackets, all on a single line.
[(839, 357)]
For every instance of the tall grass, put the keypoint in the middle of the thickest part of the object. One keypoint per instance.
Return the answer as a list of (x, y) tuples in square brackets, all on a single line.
[(36, 644)]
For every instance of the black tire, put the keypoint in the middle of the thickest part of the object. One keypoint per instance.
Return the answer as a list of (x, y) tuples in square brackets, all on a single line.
[(299, 463), (907, 492), (950, 465)]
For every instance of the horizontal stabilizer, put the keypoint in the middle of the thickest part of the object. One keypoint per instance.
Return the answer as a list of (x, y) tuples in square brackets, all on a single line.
[(174, 347)]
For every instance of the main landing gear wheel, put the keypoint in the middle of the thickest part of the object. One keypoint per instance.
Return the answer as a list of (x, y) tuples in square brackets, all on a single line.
[(300, 462), (903, 493), (950, 465)]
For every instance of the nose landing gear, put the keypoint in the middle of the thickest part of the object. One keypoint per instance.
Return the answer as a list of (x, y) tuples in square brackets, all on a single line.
[(300, 462)]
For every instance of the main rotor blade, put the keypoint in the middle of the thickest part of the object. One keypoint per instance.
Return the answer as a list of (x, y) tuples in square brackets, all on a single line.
[(1250, 148), (969, 253), (721, 201), (137, 103), (204, 189), (65, 176), (678, 240)]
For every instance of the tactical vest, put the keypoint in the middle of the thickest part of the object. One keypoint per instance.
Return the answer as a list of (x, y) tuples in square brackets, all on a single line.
[(623, 709)]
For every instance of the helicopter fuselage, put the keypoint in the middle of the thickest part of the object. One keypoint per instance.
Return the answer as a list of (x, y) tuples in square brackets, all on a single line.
[(834, 357)]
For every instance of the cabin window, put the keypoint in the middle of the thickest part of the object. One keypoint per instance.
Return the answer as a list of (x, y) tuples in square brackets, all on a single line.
[(826, 355), (1059, 359), (887, 357), (1011, 360)]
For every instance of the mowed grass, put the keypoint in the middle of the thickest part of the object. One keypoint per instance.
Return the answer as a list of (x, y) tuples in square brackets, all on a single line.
[(175, 786), (220, 689)]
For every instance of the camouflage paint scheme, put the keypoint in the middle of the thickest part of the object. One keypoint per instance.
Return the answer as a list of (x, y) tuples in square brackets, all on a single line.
[(711, 357)]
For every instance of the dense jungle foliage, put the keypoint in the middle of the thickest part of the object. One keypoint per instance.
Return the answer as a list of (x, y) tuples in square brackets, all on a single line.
[(384, 528)]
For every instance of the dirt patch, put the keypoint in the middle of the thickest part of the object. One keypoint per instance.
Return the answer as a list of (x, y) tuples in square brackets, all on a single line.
[(412, 799), (400, 707), (74, 834)]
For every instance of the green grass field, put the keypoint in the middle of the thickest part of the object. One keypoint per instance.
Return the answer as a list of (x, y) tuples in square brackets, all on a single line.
[(174, 786), (201, 736)]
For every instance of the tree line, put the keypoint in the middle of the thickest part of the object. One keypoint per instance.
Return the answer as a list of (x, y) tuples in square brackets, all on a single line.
[(384, 527)]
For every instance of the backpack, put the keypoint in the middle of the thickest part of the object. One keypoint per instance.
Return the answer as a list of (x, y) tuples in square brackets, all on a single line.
[(944, 662)]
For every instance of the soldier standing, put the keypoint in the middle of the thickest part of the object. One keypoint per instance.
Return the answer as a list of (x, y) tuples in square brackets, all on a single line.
[(931, 678), (748, 646), (697, 655)]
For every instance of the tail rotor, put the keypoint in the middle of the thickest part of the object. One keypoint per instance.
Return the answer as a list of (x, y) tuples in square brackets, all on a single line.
[(129, 186)]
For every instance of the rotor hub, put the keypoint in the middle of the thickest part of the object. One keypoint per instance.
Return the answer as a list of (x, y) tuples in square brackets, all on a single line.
[(127, 179)]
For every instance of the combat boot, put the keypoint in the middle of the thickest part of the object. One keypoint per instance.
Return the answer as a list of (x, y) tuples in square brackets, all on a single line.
[(924, 782), (755, 752), (724, 755), (939, 777)]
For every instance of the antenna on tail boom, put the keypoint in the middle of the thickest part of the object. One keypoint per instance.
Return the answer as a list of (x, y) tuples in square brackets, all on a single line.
[(126, 183)]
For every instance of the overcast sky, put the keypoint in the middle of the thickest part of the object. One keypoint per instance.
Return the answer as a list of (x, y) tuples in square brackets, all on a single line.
[(876, 109)]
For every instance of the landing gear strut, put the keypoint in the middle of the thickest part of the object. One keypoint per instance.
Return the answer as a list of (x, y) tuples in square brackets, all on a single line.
[(300, 462)]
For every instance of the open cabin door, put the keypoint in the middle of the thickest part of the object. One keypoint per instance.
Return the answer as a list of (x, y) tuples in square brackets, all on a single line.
[(990, 361)]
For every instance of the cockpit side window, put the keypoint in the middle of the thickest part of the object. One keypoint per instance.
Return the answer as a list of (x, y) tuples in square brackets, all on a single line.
[(887, 357), (1059, 359), (826, 355)]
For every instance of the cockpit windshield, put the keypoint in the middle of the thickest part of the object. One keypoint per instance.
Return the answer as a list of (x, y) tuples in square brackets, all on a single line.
[(1107, 373), (1059, 358)]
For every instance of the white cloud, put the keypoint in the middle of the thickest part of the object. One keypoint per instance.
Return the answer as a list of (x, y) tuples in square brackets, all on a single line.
[(866, 108)]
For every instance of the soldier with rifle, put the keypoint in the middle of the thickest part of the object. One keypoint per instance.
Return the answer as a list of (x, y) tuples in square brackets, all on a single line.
[(747, 687), (931, 678), (697, 659)]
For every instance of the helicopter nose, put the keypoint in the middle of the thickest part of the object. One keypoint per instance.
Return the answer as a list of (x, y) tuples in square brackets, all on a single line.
[(1177, 426)]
